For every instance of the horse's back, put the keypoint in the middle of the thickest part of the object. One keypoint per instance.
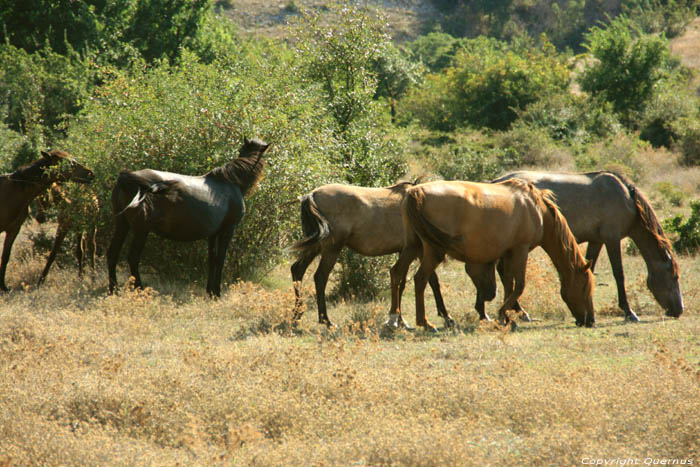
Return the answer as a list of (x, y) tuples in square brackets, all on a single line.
[(187, 207), (596, 205), (366, 219), (489, 219)]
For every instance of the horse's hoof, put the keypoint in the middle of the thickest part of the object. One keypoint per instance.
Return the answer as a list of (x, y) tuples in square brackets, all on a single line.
[(449, 323), (396, 321), (525, 317), (485, 318), (632, 318), (513, 326)]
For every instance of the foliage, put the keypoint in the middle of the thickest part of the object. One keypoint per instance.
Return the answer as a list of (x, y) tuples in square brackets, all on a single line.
[(112, 31), (571, 118), (661, 16), (687, 231), (688, 141), (491, 81), (621, 153), (431, 104), (40, 90), (628, 66), (191, 118), (436, 50), (395, 74)]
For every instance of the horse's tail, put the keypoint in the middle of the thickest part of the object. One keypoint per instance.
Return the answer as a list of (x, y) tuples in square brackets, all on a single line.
[(427, 231), (141, 187), (314, 225)]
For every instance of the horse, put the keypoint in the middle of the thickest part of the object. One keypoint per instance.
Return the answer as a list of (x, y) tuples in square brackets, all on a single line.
[(602, 208), (184, 208), (86, 241), (366, 220), (478, 223), (20, 187)]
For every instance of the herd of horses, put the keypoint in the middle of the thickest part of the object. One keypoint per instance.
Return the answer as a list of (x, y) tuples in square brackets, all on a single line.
[(488, 226)]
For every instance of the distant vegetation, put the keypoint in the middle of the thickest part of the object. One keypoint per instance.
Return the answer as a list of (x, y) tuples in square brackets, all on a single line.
[(490, 86)]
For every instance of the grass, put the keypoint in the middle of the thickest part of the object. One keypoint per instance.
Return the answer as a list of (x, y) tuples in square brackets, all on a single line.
[(167, 376)]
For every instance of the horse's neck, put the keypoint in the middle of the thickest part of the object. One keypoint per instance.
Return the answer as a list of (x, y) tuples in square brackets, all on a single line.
[(556, 249), (648, 245)]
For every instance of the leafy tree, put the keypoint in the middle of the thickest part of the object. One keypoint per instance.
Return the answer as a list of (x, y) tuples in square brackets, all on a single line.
[(628, 66), (490, 82), (396, 73), (436, 50)]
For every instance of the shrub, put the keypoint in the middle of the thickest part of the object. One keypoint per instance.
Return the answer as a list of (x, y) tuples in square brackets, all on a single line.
[(687, 231), (192, 117), (617, 153), (689, 141), (629, 64), (491, 82)]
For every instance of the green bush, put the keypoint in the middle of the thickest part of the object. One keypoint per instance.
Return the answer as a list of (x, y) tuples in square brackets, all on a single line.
[(191, 118), (617, 153), (491, 82), (688, 141), (628, 66), (686, 231)]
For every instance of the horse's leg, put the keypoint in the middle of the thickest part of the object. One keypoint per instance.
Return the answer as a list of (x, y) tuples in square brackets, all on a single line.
[(79, 251), (61, 231), (121, 228), (222, 242), (439, 302), (10, 236), (398, 282), (134, 255), (615, 257), (211, 265), (514, 265), (429, 262), (516, 306), (298, 270), (325, 266), (592, 253), (91, 248), (483, 277)]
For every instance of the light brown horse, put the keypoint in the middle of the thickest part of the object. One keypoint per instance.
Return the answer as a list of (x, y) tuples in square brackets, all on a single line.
[(19, 188), (602, 208), (479, 223), (366, 220)]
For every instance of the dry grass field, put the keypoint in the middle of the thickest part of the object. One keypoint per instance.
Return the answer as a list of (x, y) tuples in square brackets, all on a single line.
[(172, 378)]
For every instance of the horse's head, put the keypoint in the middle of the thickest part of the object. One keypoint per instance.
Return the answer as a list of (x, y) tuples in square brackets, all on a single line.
[(67, 168), (663, 283), (253, 147), (577, 292)]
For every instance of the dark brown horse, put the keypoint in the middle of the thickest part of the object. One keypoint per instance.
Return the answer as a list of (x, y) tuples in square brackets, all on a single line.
[(185, 208), (478, 223), (602, 208), (366, 220), (19, 188)]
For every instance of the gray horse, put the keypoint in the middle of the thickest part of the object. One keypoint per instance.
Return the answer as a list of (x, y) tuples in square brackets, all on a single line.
[(185, 208), (602, 208)]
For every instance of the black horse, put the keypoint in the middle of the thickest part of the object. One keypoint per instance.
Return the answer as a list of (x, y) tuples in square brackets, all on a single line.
[(19, 188), (183, 207)]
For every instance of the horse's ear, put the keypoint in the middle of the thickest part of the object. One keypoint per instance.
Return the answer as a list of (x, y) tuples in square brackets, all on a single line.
[(266, 147), (587, 266), (45, 155), (245, 140)]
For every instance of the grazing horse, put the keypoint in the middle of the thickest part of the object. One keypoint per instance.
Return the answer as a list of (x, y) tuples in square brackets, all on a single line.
[(479, 223), (366, 220), (185, 208), (602, 208), (19, 188), (86, 241)]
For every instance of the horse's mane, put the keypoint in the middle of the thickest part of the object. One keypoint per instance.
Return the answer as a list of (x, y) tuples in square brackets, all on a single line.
[(648, 218), (545, 201), (34, 171), (244, 171), (403, 184)]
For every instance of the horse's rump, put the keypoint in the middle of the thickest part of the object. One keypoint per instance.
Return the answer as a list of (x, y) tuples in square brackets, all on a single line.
[(426, 230), (137, 188), (314, 225)]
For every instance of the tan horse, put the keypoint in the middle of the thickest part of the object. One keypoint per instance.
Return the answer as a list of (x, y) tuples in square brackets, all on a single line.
[(366, 220), (479, 223)]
